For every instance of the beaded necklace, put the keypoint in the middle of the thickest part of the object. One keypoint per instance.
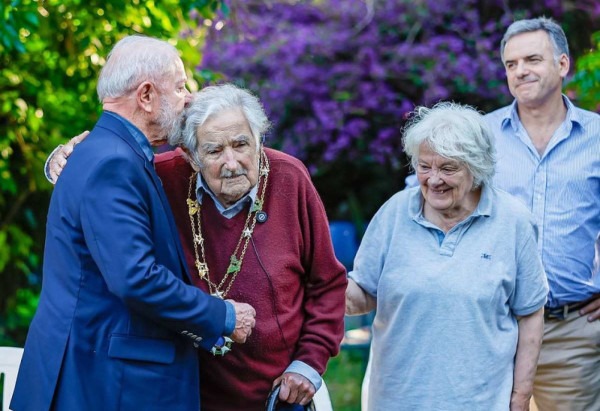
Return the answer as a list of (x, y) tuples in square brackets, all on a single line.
[(237, 257)]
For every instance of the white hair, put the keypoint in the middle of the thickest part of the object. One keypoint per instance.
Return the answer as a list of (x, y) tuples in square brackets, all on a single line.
[(213, 100), (453, 131), (133, 60)]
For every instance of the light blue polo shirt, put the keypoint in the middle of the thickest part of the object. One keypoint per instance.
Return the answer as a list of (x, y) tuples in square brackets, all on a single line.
[(445, 332)]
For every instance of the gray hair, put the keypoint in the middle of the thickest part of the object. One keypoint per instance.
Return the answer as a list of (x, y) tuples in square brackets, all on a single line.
[(213, 100), (555, 32), (453, 131), (133, 60)]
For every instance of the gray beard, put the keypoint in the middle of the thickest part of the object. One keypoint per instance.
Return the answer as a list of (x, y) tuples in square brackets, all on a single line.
[(169, 124)]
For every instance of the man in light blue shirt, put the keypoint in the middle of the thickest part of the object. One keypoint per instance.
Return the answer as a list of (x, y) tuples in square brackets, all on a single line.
[(549, 158)]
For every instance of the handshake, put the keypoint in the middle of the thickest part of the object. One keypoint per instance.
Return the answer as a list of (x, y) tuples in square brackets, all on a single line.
[(245, 319), (244, 323)]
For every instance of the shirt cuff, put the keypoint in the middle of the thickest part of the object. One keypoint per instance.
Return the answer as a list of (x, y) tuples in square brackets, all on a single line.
[(229, 319), (47, 163), (306, 371)]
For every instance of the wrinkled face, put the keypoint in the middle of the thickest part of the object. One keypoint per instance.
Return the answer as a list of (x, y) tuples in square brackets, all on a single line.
[(173, 96), (229, 155), (532, 74), (446, 185)]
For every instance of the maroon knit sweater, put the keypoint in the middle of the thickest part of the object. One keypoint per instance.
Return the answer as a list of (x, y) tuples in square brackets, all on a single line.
[(289, 275)]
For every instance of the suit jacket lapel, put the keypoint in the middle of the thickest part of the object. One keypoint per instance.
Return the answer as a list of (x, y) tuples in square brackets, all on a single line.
[(111, 123), (163, 198)]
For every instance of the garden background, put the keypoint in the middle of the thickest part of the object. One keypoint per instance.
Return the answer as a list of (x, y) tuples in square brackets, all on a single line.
[(337, 79)]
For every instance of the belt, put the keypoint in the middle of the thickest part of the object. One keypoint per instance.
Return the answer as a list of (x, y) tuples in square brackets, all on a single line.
[(561, 312)]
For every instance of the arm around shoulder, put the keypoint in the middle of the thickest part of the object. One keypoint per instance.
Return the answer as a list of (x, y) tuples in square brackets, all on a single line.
[(134, 248), (57, 159)]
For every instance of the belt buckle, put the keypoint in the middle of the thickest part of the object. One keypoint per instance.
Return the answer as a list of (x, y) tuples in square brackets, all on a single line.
[(560, 313)]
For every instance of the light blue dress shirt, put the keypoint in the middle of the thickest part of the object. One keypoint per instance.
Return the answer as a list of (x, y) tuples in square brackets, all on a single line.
[(561, 188)]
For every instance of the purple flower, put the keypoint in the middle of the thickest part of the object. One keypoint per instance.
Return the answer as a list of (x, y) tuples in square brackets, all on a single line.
[(338, 81)]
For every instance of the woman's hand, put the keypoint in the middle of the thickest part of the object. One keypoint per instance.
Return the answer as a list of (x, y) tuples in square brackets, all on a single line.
[(358, 301)]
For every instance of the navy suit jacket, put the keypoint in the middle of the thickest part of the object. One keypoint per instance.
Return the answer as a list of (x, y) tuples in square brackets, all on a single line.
[(117, 319)]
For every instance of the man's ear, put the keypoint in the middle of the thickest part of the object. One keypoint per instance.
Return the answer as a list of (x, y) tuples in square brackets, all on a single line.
[(564, 64), (189, 158), (146, 96)]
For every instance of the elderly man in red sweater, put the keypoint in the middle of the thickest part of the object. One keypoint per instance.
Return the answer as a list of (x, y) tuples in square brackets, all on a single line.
[(254, 229)]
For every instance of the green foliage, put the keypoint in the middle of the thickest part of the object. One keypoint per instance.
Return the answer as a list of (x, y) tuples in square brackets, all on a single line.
[(20, 310), (344, 377), (16, 16), (50, 55), (586, 81)]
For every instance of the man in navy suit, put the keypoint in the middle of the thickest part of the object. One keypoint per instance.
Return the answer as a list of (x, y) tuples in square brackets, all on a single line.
[(118, 324)]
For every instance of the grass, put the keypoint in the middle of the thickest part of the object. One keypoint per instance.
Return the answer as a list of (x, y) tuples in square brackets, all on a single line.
[(344, 378)]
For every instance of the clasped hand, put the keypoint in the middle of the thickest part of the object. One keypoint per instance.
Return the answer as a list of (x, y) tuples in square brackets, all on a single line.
[(245, 320)]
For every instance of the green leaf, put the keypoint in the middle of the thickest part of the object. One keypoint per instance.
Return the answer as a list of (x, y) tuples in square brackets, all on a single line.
[(51, 53)]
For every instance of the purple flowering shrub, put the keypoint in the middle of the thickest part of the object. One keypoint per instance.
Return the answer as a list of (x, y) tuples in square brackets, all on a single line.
[(339, 77)]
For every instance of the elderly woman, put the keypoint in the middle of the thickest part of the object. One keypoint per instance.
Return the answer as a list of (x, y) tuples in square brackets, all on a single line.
[(453, 270)]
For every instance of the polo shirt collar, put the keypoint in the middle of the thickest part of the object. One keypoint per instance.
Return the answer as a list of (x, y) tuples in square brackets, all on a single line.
[(415, 205)]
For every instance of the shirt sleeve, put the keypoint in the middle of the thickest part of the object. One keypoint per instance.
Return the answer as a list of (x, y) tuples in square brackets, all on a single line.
[(229, 318), (47, 163), (372, 252), (307, 372)]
